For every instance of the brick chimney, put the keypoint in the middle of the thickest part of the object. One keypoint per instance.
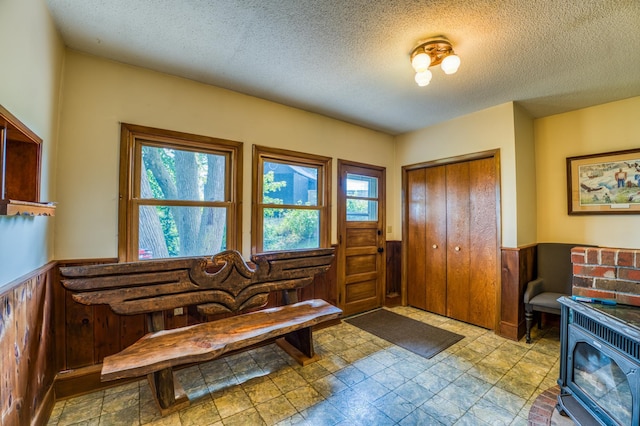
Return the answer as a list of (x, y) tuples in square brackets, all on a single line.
[(608, 273)]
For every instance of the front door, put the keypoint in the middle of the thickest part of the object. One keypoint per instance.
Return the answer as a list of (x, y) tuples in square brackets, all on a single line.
[(361, 239)]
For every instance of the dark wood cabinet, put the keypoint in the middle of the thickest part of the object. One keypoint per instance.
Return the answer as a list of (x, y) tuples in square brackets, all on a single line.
[(452, 239), (20, 151)]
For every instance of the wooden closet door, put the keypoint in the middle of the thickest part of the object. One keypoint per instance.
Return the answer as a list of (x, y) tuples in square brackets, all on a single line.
[(458, 245), (427, 256), (436, 240), (483, 229), (452, 240), (472, 242), (416, 238)]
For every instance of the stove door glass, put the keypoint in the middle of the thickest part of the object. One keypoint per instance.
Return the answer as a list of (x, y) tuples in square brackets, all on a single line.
[(603, 380)]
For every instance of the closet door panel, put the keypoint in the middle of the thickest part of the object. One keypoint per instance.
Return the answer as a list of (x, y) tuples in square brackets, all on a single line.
[(436, 240), (483, 255), (416, 238), (458, 250)]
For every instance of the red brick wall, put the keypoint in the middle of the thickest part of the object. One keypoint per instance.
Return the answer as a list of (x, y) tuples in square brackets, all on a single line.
[(608, 273)]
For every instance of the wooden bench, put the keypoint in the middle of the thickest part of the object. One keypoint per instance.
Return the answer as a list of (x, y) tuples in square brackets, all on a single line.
[(221, 284)]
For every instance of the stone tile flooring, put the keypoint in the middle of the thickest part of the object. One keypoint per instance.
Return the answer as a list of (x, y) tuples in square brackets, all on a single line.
[(359, 380)]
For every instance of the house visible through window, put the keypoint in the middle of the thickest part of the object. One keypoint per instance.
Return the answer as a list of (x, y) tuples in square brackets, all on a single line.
[(179, 194), (291, 200)]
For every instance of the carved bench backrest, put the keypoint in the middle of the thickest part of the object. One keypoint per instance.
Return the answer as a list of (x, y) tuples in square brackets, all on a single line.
[(222, 283)]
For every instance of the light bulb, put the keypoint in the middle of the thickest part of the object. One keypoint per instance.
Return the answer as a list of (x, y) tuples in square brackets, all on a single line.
[(421, 62), (450, 64), (423, 78)]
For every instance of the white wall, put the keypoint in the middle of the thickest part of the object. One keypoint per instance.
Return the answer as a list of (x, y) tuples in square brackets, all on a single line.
[(99, 94), (492, 128), (604, 128), (31, 67)]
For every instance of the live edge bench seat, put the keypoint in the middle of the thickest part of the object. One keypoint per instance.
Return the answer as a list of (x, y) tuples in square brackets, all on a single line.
[(209, 340), (221, 284)]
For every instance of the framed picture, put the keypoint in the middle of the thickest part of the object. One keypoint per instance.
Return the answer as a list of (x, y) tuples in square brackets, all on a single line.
[(607, 183)]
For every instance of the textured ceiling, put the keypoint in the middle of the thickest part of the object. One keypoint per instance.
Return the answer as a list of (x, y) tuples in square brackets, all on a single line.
[(349, 59)]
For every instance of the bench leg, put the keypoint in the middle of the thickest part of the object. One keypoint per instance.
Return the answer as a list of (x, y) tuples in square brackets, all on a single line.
[(302, 340), (299, 344), (167, 391)]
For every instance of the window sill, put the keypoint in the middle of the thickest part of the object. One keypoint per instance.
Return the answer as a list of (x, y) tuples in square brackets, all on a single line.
[(26, 208)]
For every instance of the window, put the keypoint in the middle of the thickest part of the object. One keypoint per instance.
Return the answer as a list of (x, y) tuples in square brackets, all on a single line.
[(179, 194), (291, 193)]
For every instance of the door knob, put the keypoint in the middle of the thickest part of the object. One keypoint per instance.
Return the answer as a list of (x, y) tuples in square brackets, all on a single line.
[(457, 248), (435, 246), (380, 249)]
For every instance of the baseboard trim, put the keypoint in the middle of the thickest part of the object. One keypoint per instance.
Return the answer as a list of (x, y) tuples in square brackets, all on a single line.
[(41, 417), (512, 331), (81, 381)]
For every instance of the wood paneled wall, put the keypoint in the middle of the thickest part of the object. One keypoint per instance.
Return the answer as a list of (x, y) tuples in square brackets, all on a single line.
[(27, 349), (517, 270), (393, 293), (86, 334), (51, 346)]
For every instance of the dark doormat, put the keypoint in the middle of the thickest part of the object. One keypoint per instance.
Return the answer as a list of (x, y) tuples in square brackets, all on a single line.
[(415, 336)]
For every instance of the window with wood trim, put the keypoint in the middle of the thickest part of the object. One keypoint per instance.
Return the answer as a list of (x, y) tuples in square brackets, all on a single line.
[(179, 194), (291, 200)]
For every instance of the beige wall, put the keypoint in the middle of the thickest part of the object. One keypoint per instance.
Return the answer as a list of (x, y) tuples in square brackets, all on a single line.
[(489, 129), (99, 94), (603, 128), (81, 170), (525, 177), (32, 60)]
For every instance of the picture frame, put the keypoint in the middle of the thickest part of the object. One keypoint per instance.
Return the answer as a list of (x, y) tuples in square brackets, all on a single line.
[(606, 183)]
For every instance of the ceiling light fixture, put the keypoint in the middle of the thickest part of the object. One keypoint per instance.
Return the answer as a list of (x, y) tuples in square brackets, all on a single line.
[(435, 51)]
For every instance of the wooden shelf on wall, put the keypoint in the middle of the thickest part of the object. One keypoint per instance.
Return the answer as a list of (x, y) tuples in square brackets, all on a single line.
[(20, 151), (26, 208)]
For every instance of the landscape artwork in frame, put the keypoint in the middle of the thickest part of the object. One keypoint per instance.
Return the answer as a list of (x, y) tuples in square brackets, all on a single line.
[(607, 183)]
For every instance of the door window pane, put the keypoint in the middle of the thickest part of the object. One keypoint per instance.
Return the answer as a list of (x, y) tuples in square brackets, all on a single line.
[(362, 186), (362, 210), (362, 194)]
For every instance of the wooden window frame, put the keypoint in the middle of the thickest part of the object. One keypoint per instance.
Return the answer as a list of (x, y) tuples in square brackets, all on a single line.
[(132, 138), (322, 163)]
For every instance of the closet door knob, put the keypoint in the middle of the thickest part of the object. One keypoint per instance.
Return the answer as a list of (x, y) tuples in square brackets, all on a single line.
[(457, 248), (435, 246)]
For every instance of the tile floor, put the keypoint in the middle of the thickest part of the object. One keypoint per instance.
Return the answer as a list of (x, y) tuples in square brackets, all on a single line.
[(359, 380)]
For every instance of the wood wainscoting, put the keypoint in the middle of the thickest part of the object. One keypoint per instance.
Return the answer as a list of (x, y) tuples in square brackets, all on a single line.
[(52, 347), (86, 334), (517, 271), (27, 355), (393, 287)]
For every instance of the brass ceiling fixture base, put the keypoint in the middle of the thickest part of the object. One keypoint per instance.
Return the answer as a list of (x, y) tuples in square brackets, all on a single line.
[(437, 48)]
